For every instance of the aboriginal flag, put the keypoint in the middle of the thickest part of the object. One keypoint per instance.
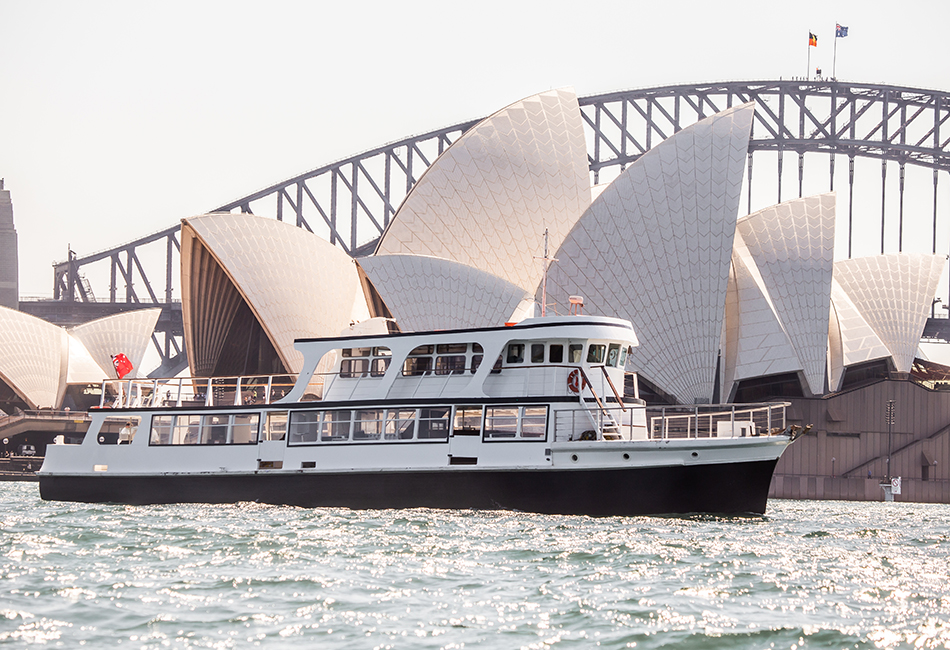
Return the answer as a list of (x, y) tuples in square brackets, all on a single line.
[(812, 40)]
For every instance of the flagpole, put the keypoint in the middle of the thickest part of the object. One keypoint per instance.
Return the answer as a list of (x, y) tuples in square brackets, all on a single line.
[(808, 75), (834, 60)]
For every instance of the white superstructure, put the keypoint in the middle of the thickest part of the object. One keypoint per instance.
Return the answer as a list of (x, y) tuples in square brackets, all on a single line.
[(532, 417)]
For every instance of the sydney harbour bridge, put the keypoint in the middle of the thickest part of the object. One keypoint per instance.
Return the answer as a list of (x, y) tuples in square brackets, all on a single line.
[(829, 124)]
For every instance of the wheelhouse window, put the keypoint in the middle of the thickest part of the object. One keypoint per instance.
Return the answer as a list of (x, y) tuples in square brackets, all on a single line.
[(595, 353), (574, 352), (556, 353), (613, 354), (515, 353), (537, 353)]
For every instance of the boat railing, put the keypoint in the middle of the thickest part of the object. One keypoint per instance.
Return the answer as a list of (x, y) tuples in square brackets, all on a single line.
[(195, 391), (637, 421)]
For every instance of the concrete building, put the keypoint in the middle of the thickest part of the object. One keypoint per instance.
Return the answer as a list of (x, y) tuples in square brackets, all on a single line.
[(9, 275)]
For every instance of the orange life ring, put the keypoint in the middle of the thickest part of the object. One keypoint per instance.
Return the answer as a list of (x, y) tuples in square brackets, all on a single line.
[(574, 381)]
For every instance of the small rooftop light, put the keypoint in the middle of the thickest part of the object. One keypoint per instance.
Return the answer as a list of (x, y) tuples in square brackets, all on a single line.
[(577, 305)]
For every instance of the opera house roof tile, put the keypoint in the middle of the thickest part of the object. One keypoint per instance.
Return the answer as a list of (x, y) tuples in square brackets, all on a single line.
[(893, 294), (430, 293), (126, 332), (655, 247), (34, 358), (791, 247), (486, 201), (295, 284)]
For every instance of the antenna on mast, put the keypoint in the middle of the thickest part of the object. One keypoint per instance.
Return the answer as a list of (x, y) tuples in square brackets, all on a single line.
[(546, 261)]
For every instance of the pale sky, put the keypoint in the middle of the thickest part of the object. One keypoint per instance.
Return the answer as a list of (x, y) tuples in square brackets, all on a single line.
[(117, 119)]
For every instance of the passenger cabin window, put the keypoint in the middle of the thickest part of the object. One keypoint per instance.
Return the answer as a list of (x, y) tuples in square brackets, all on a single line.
[(556, 353), (416, 364), (537, 353), (501, 422), (434, 423), (335, 426), (244, 428), (574, 352), (368, 424), (515, 353), (379, 367), (516, 423), (304, 427), (380, 363), (613, 354), (450, 365), (400, 424), (350, 368), (534, 421), (595, 353), (215, 429), (355, 362)]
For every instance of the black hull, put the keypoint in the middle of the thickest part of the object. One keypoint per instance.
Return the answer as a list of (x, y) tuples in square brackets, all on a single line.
[(723, 489)]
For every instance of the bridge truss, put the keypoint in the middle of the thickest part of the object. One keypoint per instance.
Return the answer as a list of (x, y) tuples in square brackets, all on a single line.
[(350, 202)]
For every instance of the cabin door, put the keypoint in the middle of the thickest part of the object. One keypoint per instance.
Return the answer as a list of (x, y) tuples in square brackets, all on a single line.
[(466, 437), (272, 441)]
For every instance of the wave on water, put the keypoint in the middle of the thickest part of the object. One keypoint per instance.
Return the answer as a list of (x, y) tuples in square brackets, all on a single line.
[(807, 575)]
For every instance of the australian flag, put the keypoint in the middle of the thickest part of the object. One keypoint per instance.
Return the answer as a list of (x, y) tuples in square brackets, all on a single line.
[(840, 31)]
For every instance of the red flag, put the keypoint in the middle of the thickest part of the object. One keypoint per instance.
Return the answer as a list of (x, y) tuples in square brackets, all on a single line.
[(122, 365)]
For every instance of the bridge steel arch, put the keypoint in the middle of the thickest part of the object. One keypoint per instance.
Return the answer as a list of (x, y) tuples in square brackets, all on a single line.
[(351, 201)]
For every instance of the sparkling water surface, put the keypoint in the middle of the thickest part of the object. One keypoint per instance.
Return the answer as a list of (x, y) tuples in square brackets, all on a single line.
[(809, 574)]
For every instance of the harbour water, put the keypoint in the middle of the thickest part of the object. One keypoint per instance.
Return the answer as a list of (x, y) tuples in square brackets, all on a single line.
[(808, 574)]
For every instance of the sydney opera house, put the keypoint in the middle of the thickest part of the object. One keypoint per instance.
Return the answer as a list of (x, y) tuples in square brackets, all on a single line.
[(726, 308)]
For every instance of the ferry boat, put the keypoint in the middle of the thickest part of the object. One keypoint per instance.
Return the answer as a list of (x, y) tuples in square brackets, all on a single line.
[(540, 416)]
